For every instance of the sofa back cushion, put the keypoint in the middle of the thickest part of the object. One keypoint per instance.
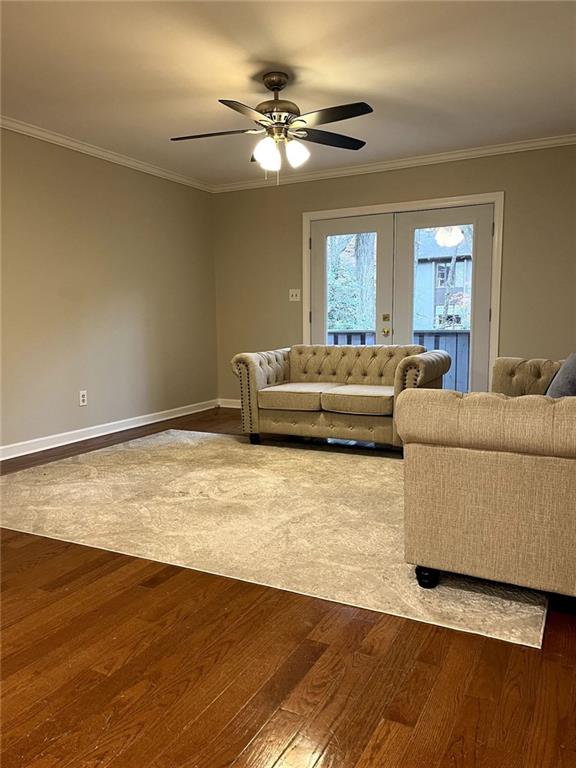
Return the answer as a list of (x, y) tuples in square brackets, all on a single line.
[(516, 376), (348, 364)]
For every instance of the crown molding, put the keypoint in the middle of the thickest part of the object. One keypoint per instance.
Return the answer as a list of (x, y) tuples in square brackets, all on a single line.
[(103, 154), (355, 170), (407, 162)]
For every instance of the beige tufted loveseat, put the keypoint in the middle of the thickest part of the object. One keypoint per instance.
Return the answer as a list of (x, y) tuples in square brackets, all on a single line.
[(490, 480), (345, 392)]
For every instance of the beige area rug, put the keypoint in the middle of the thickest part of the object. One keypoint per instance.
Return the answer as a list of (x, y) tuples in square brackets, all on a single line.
[(322, 523)]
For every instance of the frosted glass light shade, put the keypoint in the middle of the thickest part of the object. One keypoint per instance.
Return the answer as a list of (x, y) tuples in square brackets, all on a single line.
[(268, 155), (296, 153)]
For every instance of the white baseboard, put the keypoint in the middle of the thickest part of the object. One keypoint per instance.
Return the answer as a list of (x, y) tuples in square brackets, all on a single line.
[(224, 402), (98, 430)]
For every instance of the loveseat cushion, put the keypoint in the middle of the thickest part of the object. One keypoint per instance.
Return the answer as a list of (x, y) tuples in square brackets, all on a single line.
[(295, 396), (372, 399)]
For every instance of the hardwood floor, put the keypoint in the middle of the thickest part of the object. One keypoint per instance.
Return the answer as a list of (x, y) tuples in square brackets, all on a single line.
[(224, 420), (114, 661)]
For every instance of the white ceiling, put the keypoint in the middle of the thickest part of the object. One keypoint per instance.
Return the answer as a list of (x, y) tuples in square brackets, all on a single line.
[(441, 76)]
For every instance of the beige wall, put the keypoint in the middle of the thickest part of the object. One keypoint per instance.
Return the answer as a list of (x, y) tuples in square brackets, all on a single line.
[(258, 249), (108, 275), (107, 286)]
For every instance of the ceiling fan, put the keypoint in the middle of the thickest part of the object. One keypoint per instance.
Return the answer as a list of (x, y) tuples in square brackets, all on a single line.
[(280, 123)]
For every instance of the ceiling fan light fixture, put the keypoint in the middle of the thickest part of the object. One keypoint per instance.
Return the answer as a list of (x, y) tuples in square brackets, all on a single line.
[(283, 123), (296, 153), (268, 155)]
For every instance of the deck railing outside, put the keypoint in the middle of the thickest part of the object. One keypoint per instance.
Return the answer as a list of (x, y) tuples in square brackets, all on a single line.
[(351, 337), (456, 343)]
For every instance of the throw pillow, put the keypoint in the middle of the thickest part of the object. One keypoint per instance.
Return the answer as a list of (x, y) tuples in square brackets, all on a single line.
[(564, 383)]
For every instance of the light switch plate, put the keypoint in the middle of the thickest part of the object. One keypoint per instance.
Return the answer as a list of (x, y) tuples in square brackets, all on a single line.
[(294, 294)]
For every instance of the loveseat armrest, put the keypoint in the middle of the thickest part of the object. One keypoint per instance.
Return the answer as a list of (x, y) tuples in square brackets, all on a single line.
[(423, 370), (257, 370), (516, 376), (533, 424)]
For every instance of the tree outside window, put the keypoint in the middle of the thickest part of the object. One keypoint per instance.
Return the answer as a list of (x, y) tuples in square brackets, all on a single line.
[(351, 282)]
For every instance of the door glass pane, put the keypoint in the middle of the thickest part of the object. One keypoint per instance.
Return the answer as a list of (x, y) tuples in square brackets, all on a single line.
[(351, 288), (443, 296)]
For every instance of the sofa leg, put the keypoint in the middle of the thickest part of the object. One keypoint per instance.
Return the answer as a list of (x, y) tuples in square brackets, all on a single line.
[(427, 577), (255, 438)]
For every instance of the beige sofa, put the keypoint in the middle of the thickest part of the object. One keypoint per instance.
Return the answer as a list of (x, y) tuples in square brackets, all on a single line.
[(346, 392), (490, 480)]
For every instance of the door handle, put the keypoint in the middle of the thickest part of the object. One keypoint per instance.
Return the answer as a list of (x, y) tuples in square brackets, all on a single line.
[(385, 331)]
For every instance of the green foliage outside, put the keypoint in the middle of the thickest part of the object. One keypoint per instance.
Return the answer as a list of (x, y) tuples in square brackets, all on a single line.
[(351, 281)]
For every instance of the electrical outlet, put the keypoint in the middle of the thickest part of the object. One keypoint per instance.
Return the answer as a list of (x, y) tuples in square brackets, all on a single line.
[(294, 294), (83, 397)]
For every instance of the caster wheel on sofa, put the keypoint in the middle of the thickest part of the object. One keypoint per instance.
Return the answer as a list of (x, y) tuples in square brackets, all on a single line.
[(427, 578)]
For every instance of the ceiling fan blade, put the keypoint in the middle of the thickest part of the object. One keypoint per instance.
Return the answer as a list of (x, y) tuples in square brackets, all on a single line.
[(251, 114), (333, 114), (330, 139), (207, 135)]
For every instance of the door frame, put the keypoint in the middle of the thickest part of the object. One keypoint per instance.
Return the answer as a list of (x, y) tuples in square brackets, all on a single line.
[(495, 198)]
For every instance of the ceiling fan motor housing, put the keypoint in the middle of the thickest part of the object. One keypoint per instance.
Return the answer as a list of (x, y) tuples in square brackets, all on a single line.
[(275, 81), (278, 109)]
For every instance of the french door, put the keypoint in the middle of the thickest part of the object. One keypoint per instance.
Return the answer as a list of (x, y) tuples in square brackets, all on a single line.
[(352, 280), (421, 277)]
